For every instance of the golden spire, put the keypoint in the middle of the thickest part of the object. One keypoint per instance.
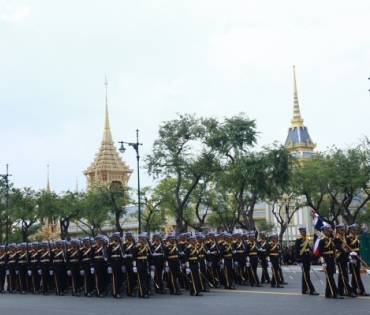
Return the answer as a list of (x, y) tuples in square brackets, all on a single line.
[(47, 181), (107, 135), (297, 119)]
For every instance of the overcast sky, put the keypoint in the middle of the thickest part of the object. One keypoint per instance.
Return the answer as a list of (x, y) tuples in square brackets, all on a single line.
[(212, 58)]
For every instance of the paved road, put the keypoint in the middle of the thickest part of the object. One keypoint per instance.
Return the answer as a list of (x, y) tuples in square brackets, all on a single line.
[(244, 300)]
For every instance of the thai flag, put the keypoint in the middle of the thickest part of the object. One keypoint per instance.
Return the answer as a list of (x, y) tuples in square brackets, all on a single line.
[(318, 223)]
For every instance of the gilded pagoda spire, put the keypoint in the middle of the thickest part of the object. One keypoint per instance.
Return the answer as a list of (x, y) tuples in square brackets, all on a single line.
[(107, 135), (47, 180), (297, 119)]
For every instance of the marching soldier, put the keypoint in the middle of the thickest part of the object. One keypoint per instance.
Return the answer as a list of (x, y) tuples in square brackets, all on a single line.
[(73, 266), (302, 252), (11, 271), (33, 267), (115, 259), (192, 266), (355, 263), (85, 266), (128, 248), (342, 259), (326, 253), (183, 241), (59, 268), (22, 269), (213, 253), (157, 261), (252, 260), (172, 264), (140, 265), (3, 257), (98, 266), (239, 259), (226, 261), (262, 243), (202, 252), (44, 267), (273, 253)]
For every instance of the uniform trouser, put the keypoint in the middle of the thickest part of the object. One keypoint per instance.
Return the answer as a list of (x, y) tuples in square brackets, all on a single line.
[(343, 279), (276, 272), (195, 285), (35, 279), (22, 276), (142, 277), (265, 277), (45, 278), (228, 272), (239, 270), (213, 271), (202, 275), (74, 278), (12, 278), (252, 270), (307, 285), (116, 277), (158, 283), (2, 278), (60, 277), (173, 275), (100, 275), (331, 287), (88, 278), (130, 278), (183, 280), (356, 277)]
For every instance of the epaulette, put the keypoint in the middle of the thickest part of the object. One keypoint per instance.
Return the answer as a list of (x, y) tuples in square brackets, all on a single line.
[(112, 243), (81, 248)]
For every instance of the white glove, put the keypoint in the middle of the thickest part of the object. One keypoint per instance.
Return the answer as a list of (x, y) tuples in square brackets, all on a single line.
[(29, 272), (260, 249), (234, 251), (152, 268), (109, 270), (209, 264), (51, 272), (300, 265), (269, 264), (124, 256), (17, 272), (352, 261), (222, 266), (182, 266), (167, 269), (92, 270), (182, 253), (323, 265), (134, 269), (187, 271), (154, 254), (7, 272), (40, 272), (248, 264), (82, 272), (353, 254), (123, 269), (236, 264), (208, 252), (69, 272)]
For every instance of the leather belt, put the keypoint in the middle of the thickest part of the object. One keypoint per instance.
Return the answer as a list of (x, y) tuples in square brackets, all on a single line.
[(213, 253), (11, 261), (58, 261), (252, 254), (201, 256), (86, 259), (142, 258), (2, 263), (22, 262), (193, 258), (115, 256), (33, 261), (45, 260), (240, 251), (173, 256), (328, 253), (274, 254), (73, 260), (227, 256), (158, 254)]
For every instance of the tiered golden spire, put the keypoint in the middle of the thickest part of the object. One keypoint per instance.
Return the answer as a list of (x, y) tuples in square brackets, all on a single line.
[(297, 119), (47, 181)]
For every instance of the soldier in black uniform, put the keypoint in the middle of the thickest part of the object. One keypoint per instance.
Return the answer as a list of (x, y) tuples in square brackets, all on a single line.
[(140, 265), (273, 257), (12, 259), (85, 266), (252, 260), (342, 259), (22, 268), (172, 264), (213, 254), (192, 266), (262, 243), (115, 258), (202, 253), (3, 257), (302, 252), (157, 260), (226, 261), (33, 267), (239, 259), (327, 259), (128, 247), (73, 266), (98, 266), (355, 263), (183, 241), (44, 267), (59, 268)]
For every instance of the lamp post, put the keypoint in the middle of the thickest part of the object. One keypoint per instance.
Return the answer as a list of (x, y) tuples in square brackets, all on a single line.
[(135, 145), (6, 178)]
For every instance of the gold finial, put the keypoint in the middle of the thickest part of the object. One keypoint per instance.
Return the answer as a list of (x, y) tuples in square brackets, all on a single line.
[(107, 136), (76, 183), (297, 119), (47, 181)]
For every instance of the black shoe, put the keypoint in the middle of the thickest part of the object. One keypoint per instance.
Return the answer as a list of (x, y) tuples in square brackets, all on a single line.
[(2, 291), (163, 292), (46, 293), (132, 295), (61, 293), (285, 283), (199, 294), (306, 292), (37, 292), (23, 292), (150, 293), (314, 293), (146, 296), (329, 296), (102, 296), (363, 294), (117, 296), (259, 285), (88, 294), (206, 290), (352, 295), (280, 286), (232, 287), (73, 294), (337, 296), (178, 293)]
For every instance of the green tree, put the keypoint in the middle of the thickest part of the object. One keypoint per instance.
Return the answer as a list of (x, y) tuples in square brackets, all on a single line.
[(266, 226)]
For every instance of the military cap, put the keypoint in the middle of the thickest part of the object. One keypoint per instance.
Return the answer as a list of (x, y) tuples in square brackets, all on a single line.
[(156, 234), (12, 245), (143, 235), (273, 235), (228, 235), (251, 234), (86, 239), (326, 227), (60, 242), (303, 228), (262, 232), (353, 254), (99, 237), (24, 244), (128, 233), (340, 226), (2, 246), (74, 240), (193, 237), (44, 243), (211, 234), (353, 226), (171, 235)]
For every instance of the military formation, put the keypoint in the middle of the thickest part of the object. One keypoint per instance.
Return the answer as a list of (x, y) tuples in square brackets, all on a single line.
[(101, 266)]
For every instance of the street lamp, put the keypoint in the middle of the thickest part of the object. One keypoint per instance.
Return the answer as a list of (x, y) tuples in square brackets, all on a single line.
[(122, 149), (6, 178)]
